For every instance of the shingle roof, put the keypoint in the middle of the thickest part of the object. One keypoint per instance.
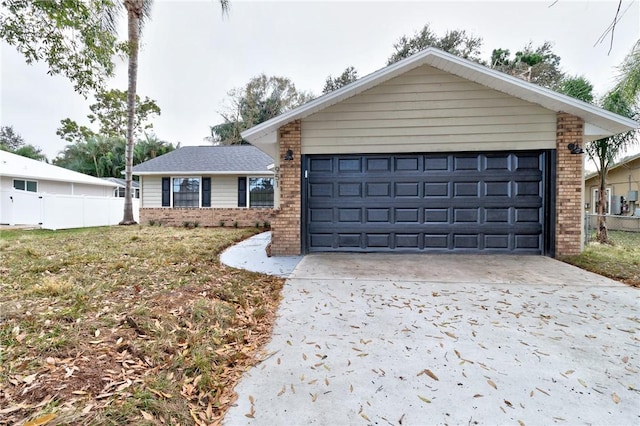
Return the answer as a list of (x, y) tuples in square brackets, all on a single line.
[(208, 159), (121, 182)]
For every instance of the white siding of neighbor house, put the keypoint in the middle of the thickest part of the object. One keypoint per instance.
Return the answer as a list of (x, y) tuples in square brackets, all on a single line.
[(428, 110), (62, 188)]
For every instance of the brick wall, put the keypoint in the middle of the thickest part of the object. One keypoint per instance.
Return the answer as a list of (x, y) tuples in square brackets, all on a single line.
[(285, 232), (207, 217), (569, 186)]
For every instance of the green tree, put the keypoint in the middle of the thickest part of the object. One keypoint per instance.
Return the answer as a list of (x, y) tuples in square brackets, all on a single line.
[(70, 36), (349, 75), (538, 65), (260, 100), (13, 142), (577, 87), (110, 113), (9, 139), (605, 151), (629, 79), (457, 42), (151, 147), (30, 151)]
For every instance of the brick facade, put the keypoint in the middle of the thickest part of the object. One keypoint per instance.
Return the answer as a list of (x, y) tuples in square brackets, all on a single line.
[(286, 230), (569, 186), (285, 234), (207, 217)]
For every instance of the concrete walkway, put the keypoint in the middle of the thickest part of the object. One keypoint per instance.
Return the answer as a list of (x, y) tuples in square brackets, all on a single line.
[(421, 340), (251, 255)]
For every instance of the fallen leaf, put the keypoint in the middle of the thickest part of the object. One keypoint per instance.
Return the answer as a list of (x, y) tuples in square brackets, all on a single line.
[(582, 382), (314, 396), (616, 398), (427, 400), (569, 372), (282, 391), (509, 404), (146, 415), (521, 423), (430, 374), (364, 416), (492, 384), (540, 390), (43, 420), (251, 400), (30, 379), (478, 395)]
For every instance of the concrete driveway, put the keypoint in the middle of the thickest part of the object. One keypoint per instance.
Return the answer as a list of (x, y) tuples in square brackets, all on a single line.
[(420, 340)]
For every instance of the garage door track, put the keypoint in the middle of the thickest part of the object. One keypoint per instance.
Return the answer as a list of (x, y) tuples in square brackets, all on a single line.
[(414, 340)]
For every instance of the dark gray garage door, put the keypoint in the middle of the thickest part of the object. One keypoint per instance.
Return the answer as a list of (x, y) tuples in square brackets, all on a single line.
[(461, 202)]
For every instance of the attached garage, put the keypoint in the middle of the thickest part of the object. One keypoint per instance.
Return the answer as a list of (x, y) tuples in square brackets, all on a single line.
[(461, 202), (432, 154)]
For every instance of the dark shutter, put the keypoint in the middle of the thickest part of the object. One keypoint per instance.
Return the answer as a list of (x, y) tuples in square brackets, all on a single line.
[(206, 192), (166, 192), (242, 191)]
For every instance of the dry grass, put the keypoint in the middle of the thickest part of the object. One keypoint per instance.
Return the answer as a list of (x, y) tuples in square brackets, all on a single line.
[(620, 261), (126, 325)]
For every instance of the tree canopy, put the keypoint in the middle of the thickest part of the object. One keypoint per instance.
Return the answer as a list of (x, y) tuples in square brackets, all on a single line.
[(104, 156), (457, 42), (261, 99), (537, 64), (349, 75), (70, 36), (577, 87), (109, 113), (13, 142)]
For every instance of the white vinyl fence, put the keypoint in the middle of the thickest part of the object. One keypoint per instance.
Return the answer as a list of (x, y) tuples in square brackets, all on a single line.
[(55, 211)]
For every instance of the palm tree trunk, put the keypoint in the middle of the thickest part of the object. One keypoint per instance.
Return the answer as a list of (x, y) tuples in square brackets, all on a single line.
[(134, 10)]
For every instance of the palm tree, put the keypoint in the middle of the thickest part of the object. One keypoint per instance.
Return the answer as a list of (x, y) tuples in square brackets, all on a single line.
[(605, 151), (629, 80), (138, 11)]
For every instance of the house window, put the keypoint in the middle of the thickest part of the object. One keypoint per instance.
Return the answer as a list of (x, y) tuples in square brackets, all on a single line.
[(607, 207), (260, 192), (119, 192), (186, 192), (25, 185)]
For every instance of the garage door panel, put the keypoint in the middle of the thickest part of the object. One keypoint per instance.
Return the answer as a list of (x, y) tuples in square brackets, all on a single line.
[(426, 202)]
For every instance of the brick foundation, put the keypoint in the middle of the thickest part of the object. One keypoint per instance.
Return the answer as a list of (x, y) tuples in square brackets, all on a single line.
[(569, 186), (207, 217), (285, 234)]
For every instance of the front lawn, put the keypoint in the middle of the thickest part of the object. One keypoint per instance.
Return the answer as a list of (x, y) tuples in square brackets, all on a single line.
[(620, 261), (126, 325)]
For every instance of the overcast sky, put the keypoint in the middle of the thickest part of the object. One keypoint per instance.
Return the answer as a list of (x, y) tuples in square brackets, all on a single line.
[(191, 56)]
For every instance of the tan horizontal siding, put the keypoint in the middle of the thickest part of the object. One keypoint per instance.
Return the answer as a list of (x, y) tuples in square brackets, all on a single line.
[(151, 191), (427, 110), (224, 191)]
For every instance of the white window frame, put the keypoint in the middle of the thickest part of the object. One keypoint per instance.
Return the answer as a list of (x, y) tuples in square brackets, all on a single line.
[(199, 191), (26, 184), (595, 201), (248, 191)]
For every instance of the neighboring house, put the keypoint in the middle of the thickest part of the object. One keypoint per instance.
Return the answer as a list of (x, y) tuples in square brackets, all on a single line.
[(119, 191), (36, 193), (25, 174), (623, 186), (432, 154), (210, 185)]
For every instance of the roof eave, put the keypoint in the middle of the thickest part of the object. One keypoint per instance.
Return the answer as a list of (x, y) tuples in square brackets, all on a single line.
[(513, 86)]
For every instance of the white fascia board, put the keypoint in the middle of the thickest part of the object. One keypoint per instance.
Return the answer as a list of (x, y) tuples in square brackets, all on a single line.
[(458, 66), (204, 173)]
